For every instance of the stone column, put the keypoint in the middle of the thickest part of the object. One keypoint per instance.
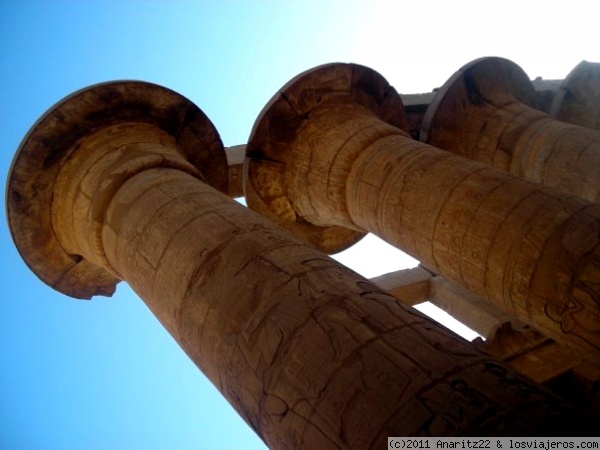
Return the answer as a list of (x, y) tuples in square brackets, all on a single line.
[(485, 112), (577, 101), (329, 150), (111, 184)]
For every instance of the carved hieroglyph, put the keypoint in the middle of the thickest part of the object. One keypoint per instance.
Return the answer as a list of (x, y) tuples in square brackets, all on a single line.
[(310, 354), (486, 112), (329, 150)]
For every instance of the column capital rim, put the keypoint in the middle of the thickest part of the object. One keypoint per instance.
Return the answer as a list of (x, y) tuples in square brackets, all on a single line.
[(268, 148), (578, 81), (50, 142), (474, 84)]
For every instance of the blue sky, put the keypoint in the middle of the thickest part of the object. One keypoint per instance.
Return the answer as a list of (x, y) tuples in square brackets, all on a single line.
[(104, 374)]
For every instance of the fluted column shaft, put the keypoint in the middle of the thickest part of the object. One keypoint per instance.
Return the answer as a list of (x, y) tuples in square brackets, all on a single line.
[(530, 250), (308, 352)]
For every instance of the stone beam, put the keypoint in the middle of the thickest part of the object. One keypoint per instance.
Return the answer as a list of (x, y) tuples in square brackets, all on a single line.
[(511, 340), (585, 385), (546, 362), (524, 348), (410, 286), (235, 163), (505, 336), (329, 152), (113, 183), (467, 307), (486, 112), (418, 285)]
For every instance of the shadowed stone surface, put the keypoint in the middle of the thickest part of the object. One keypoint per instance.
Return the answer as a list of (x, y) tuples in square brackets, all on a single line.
[(308, 352), (342, 162), (578, 98), (486, 112)]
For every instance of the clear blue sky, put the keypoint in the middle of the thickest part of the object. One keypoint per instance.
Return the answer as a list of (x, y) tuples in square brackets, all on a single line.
[(105, 374)]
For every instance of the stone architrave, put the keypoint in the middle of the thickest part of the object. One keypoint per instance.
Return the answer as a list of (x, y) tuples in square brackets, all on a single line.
[(329, 150), (113, 184), (486, 112)]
